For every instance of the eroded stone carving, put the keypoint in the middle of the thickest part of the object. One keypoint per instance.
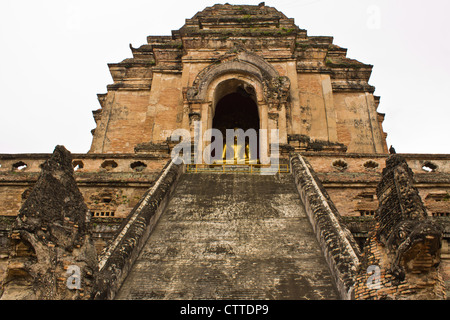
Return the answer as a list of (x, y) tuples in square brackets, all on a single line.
[(52, 255), (402, 255)]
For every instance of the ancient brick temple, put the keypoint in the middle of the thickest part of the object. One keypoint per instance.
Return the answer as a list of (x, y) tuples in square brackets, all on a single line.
[(165, 230)]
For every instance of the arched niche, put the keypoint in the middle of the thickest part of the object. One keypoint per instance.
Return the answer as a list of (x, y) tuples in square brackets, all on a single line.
[(235, 106), (230, 74), (235, 83), (231, 86)]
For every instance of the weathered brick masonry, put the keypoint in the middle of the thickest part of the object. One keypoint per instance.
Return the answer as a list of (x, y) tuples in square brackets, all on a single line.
[(256, 60)]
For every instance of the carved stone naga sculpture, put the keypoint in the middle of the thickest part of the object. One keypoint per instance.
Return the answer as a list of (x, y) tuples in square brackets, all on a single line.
[(402, 255), (52, 255)]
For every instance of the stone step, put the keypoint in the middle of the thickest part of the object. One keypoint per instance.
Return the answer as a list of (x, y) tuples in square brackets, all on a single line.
[(231, 236)]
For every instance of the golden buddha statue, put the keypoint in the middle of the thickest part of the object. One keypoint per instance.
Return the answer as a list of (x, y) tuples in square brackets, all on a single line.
[(237, 149)]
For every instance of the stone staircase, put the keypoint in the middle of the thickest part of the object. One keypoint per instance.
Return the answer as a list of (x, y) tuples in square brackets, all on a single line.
[(231, 236)]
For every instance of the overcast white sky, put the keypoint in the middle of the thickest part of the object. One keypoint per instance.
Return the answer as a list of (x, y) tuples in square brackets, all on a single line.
[(54, 56)]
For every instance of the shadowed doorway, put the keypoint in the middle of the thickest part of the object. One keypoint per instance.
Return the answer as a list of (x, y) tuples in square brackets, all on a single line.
[(237, 110)]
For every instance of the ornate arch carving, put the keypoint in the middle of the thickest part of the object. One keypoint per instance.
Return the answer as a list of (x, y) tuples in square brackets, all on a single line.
[(276, 88)]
